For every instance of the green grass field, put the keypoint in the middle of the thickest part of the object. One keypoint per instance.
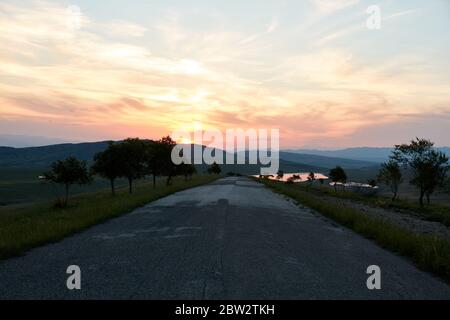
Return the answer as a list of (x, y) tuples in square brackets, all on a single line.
[(23, 186), (26, 226), (428, 252)]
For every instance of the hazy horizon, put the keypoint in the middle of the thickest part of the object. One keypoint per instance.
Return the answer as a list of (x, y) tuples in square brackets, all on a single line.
[(90, 71), (23, 141)]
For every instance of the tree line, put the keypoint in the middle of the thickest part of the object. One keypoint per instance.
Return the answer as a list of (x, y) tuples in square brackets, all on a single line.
[(427, 164), (132, 159), (428, 167)]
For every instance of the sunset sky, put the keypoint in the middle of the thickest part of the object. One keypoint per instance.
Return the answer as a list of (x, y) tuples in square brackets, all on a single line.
[(311, 68)]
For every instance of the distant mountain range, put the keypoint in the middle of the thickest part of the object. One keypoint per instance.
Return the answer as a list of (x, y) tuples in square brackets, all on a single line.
[(361, 153), (21, 141), (302, 160), (41, 157), (325, 161)]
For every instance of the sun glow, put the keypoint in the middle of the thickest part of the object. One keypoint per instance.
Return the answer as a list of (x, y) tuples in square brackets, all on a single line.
[(179, 67), (185, 141)]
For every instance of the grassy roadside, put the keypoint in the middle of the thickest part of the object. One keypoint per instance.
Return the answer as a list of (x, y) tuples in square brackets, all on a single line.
[(22, 228), (428, 252), (434, 212)]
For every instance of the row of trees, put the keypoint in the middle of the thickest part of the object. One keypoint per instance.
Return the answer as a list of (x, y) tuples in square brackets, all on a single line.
[(134, 158), (427, 165), (131, 159), (311, 177)]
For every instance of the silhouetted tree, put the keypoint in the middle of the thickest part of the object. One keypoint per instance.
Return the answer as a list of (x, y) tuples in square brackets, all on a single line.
[(429, 165), (68, 172), (164, 148), (391, 175), (436, 172), (290, 180), (280, 174), (187, 170), (132, 152), (153, 159), (214, 169), (447, 185), (108, 164), (372, 183), (337, 174), (311, 177)]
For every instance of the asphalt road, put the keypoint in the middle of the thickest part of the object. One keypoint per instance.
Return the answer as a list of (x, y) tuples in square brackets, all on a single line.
[(232, 239)]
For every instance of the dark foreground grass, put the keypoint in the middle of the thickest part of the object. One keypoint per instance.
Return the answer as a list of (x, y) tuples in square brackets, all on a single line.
[(433, 212), (23, 228), (430, 253)]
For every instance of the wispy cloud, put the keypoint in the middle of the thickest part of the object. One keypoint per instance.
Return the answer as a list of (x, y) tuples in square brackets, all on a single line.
[(344, 32), (118, 78), (401, 13), (271, 27), (329, 6), (117, 28)]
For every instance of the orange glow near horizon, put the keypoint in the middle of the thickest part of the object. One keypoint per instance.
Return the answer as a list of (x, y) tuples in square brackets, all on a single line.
[(118, 78)]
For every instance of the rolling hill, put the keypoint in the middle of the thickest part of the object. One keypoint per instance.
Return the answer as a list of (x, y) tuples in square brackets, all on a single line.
[(360, 153), (324, 161), (32, 157), (41, 157), (19, 168)]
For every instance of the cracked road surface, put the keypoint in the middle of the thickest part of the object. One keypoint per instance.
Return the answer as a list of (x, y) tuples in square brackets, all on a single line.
[(231, 239)]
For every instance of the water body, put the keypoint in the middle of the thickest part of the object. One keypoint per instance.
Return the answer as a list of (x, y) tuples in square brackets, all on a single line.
[(297, 177)]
